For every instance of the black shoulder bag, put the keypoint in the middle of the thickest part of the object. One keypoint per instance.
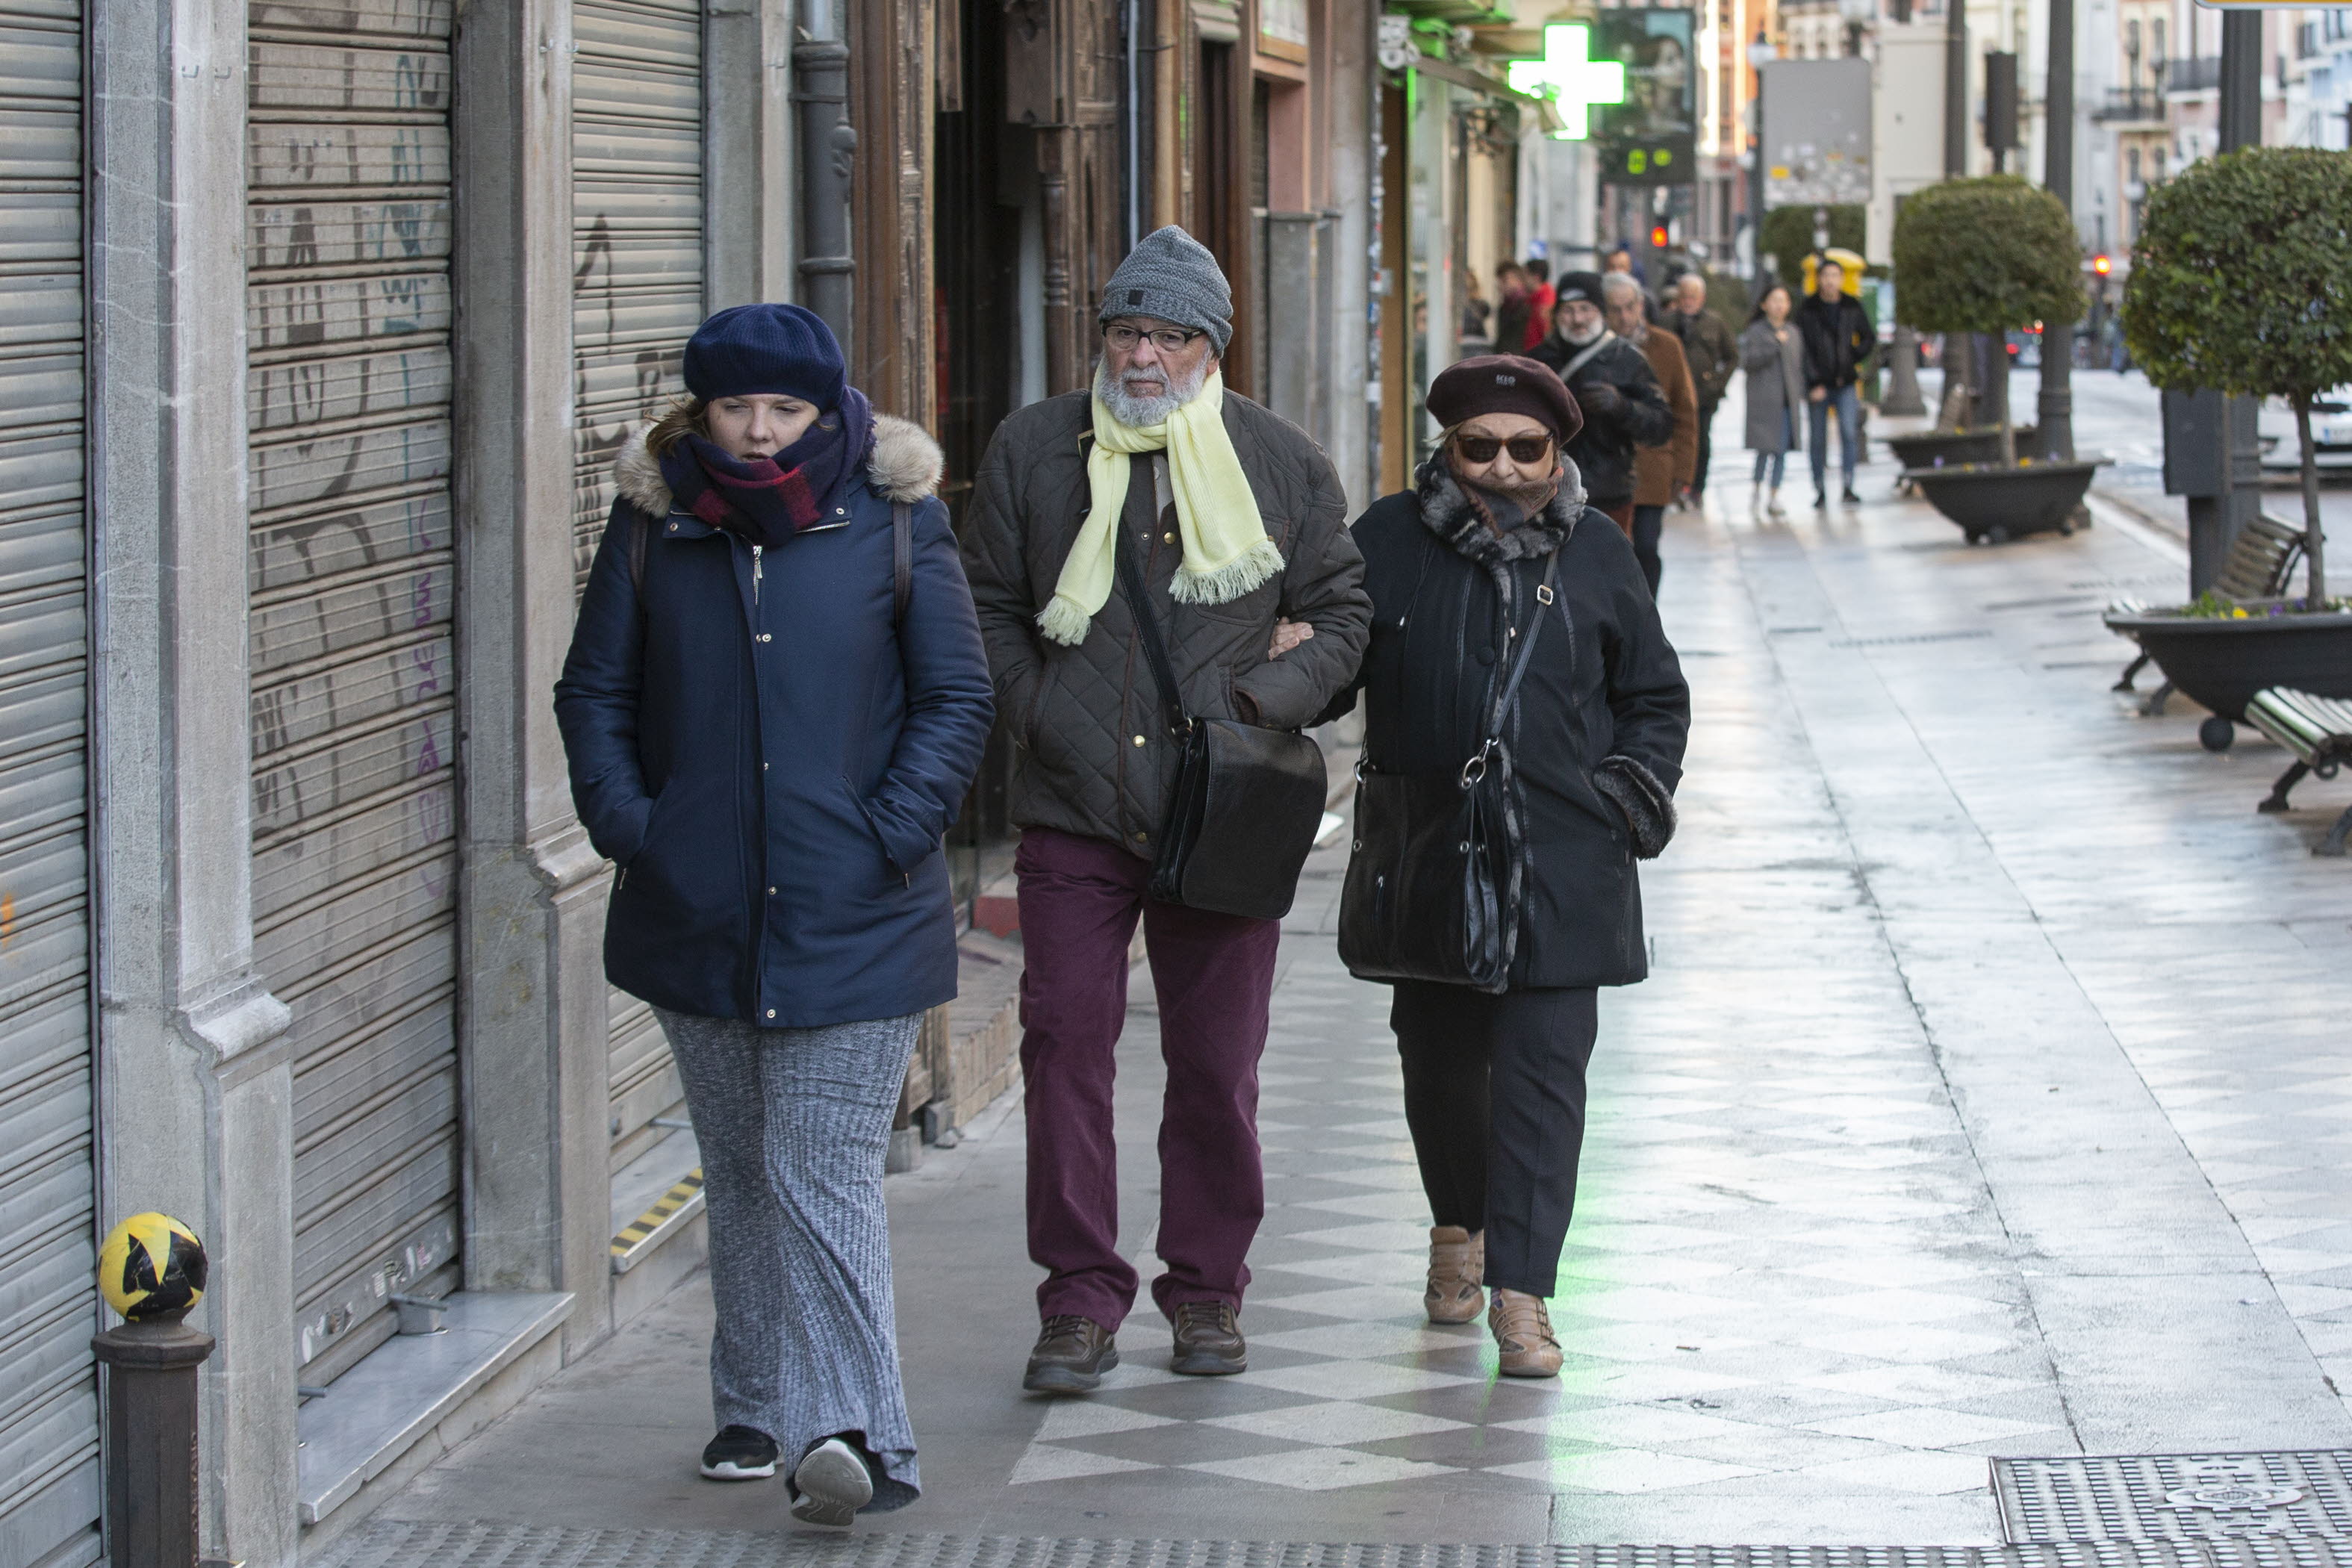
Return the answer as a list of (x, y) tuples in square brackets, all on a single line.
[(1246, 802), (1433, 889)]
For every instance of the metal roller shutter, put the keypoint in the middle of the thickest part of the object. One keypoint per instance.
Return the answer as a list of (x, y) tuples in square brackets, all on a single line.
[(636, 160), (48, 1391), (354, 853)]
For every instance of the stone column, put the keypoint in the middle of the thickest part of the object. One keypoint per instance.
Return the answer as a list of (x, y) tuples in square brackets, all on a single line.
[(748, 176), (197, 1118), (532, 1012)]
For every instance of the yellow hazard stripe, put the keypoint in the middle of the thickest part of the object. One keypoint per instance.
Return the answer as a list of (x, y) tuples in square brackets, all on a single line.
[(652, 1220)]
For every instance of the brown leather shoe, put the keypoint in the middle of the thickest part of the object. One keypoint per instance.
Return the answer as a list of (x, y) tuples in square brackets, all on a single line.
[(1208, 1342), (1457, 1263), (1070, 1357), (1523, 1335)]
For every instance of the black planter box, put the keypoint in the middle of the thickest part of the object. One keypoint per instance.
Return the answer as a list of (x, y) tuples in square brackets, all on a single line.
[(1921, 451), (1997, 503), (2222, 663)]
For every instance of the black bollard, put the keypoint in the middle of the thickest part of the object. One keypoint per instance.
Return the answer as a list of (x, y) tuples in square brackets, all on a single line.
[(152, 1270), (151, 1434)]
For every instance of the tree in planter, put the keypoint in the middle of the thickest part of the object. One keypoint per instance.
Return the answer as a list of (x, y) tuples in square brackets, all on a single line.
[(1988, 255), (2238, 283)]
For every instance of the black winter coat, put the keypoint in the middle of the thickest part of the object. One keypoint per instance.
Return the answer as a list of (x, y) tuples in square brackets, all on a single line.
[(1603, 686), (769, 757), (1839, 341), (1603, 451)]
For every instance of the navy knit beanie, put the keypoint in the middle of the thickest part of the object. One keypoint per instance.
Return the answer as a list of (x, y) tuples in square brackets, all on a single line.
[(779, 350)]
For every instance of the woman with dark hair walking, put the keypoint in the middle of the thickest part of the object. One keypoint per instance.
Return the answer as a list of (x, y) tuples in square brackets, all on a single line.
[(775, 701), (1515, 644), (1773, 354)]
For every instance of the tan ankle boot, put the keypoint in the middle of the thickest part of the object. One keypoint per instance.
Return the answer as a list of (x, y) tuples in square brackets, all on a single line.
[(1457, 1263), (1522, 1334)]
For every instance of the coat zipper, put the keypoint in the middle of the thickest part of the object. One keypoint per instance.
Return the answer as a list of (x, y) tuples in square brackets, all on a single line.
[(755, 575)]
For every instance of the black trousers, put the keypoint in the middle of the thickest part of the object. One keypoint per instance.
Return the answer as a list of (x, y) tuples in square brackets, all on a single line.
[(1706, 447), (1649, 527), (1494, 1091)]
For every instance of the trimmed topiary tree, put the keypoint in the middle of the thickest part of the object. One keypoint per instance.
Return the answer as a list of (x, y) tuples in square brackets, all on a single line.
[(2241, 281), (1988, 255)]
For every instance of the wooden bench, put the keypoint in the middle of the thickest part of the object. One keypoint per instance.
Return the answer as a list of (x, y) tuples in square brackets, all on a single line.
[(2260, 565), (2317, 731)]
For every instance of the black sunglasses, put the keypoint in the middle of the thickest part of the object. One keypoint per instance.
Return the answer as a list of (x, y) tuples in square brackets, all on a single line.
[(1523, 448)]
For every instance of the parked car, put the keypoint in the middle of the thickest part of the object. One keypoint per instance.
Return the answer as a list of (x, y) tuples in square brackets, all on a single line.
[(2331, 431)]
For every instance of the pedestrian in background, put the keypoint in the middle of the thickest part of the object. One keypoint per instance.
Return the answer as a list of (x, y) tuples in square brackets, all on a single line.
[(1475, 313), (1774, 358), (1620, 263), (1541, 299), (1713, 354), (1495, 550), (1513, 294), (1839, 340), (1619, 399), (1660, 473), (1240, 526), (770, 727)]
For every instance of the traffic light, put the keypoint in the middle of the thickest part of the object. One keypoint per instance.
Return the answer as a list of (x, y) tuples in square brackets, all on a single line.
[(2102, 265), (1657, 236)]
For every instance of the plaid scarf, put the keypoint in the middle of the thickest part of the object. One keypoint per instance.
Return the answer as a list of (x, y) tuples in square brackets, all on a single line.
[(768, 499)]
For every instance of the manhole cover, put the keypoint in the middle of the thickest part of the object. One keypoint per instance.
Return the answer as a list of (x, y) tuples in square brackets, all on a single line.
[(2176, 1497)]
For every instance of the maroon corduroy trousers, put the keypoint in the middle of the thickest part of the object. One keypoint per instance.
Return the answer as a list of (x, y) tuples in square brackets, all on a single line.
[(1213, 973)]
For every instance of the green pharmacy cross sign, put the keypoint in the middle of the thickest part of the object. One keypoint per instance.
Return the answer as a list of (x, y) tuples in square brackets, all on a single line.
[(1570, 77)]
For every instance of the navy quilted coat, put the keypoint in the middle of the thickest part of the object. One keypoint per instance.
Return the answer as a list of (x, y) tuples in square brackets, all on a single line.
[(770, 762)]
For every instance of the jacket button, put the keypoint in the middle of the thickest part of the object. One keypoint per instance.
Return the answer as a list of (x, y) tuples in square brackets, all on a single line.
[(771, 892), (767, 637), (772, 1012), (1167, 539), (1142, 837), (1139, 739), (673, 528)]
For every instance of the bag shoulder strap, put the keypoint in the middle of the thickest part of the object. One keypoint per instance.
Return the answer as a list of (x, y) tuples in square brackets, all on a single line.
[(1545, 597), (902, 560), (1147, 626)]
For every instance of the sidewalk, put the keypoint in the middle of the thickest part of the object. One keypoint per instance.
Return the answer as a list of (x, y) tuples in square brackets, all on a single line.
[(1991, 1096)]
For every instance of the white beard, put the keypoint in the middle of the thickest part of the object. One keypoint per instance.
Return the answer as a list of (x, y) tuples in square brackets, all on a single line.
[(1136, 412), (1589, 338)]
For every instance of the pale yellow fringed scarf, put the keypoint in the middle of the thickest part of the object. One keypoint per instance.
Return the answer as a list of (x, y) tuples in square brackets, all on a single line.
[(1226, 551)]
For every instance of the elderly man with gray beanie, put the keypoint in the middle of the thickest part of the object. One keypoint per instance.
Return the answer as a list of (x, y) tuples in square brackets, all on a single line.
[(1237, 529)]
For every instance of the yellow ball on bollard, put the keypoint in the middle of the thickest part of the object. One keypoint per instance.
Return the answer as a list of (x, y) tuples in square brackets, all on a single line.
[(150, 1265)]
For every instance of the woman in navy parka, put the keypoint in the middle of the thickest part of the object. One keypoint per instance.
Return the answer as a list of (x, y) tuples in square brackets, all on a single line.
[(771, 752)]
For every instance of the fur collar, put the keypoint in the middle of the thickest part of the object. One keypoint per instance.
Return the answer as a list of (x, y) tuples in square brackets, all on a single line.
[(1448, 512), (904, 466)]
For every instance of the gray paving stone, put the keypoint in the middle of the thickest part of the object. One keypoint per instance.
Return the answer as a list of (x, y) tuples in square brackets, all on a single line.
[(1991, 1096)]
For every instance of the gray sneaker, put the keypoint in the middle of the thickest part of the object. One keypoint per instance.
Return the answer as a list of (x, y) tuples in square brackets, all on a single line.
[(832, 1483)]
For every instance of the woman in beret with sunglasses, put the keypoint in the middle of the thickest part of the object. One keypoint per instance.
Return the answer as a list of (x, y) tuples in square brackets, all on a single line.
[(1494, 537)]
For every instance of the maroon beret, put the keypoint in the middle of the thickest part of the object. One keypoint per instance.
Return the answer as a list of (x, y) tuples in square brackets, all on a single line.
[(1505, 383)]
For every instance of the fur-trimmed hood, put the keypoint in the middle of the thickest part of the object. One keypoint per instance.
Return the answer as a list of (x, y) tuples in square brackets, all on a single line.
[(904, 465)]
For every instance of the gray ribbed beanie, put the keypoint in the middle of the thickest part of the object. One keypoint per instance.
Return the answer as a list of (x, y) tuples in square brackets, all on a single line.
[(1170, 275)]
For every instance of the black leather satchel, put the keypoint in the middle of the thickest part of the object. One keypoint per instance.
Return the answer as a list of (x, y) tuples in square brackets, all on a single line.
[(1246, 802), (1435, 881)]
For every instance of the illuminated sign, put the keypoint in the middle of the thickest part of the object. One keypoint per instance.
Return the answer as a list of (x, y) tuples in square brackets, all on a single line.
[(1570, 77)]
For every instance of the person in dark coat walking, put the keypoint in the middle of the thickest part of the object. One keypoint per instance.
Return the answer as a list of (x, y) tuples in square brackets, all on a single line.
[(1839, 340), (770, 748), (1713, 355), (1239, 530), (1620, 399), (1494, 1085)]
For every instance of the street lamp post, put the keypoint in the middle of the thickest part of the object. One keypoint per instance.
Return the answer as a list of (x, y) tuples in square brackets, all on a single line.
[(1759, 54), (2055, 406)]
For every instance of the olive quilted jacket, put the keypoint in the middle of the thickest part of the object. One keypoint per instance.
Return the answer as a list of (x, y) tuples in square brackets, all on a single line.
[(1095, 758)]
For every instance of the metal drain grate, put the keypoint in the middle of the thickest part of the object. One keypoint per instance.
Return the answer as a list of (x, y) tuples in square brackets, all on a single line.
[(1905, 638), (2177, 1497), (383, 1543)]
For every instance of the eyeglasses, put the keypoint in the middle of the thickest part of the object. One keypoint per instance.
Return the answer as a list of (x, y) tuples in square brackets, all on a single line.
[(1523, 448), (1167, 339)]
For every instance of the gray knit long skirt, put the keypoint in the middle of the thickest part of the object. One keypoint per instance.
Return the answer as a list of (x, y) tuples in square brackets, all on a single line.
[(795, 1125)]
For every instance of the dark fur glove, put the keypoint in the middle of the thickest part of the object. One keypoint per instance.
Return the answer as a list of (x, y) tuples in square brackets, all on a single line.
[(1647, 805)]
